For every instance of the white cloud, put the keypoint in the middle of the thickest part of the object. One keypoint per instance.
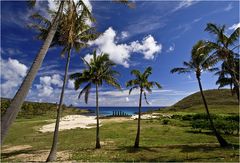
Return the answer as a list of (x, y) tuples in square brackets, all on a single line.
[(229, 7), (148, 47), (171, 48), (127, 99), (124, 34), (47, 83), (120, 53), (12, 73), (71, 84), (234, 26), (184, 4)]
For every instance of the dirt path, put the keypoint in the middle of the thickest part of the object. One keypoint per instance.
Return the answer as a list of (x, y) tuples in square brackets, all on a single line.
[(25, 153)]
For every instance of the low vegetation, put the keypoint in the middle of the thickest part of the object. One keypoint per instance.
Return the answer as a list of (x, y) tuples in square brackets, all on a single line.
[(171, 137), (36, 109)]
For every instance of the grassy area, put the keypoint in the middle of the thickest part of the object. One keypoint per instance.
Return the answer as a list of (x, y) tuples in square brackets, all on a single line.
[(214, 97), (175, 140)]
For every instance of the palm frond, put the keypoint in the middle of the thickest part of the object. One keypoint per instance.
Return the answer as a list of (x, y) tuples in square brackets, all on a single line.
[(85, 90), (145, 97), (180, 70), (234, 37), (131, 89), (212, 28)]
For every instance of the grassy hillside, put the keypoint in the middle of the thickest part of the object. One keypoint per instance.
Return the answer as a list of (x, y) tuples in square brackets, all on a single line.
[(33, 109), (219, 101)]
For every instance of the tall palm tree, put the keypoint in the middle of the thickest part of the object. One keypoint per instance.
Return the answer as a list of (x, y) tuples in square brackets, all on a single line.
[(17, 101), (141, 82), (72, 33), (201, 61), (224, 50), (98, 70)]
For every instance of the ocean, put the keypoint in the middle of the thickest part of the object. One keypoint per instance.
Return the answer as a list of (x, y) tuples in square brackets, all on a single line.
[(105, 111)]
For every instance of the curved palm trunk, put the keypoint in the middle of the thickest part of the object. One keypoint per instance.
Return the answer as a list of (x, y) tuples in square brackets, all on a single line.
[(136, 145), (22, 92), (220, 139), (53, 152), (97, 112)]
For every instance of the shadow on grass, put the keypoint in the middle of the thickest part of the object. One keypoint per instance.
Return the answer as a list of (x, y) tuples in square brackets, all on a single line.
[(177, 152), (6, 155), (131, 149)]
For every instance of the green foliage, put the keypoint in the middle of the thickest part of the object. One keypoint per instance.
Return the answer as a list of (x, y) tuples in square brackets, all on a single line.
[(98, 70), (225, 124), (34, 109), (165, 121)]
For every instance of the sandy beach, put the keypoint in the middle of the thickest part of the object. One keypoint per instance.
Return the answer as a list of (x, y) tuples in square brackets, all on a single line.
[(83, 121), (71, 122)]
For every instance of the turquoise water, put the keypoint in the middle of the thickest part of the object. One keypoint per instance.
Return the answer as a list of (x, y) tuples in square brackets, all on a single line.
[(128, 110)]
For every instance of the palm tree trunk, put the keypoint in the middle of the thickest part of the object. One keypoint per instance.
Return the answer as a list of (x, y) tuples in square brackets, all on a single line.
[(136, 145), (220, 139), (97, 112), (22, 92), (53, 152)]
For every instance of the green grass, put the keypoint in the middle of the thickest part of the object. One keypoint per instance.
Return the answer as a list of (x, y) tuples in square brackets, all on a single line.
[(214, 97), (172, 142)]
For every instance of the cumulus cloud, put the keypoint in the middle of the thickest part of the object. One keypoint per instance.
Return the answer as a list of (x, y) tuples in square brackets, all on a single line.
[(47, 83), (120, 53), (12, 73), (148, 47), (234, 26)]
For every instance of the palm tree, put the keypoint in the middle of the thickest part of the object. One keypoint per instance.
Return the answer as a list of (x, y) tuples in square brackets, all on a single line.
[(224, 48), (224, 78), (141, 82), (98, 70), (17, 101), (72, 33), (200, 61)]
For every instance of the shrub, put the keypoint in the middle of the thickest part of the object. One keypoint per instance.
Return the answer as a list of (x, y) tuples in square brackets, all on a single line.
[(165, 121)]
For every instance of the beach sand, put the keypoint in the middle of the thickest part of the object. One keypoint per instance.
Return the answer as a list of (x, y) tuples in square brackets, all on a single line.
[(71, 122), (83, 121)]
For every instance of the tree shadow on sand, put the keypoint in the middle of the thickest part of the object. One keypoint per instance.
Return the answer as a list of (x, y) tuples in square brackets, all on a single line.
[(7, 155)]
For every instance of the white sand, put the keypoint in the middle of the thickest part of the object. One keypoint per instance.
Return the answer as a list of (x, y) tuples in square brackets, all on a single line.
[(144, 116), (71, 122)]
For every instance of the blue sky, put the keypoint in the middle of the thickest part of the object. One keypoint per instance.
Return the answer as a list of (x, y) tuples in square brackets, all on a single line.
[(157, 33)]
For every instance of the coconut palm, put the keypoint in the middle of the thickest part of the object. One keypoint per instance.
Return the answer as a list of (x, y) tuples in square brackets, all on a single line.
[(73, 33), (98, 71), (224, 48), (201, 61), (141, 82), (17, 101)]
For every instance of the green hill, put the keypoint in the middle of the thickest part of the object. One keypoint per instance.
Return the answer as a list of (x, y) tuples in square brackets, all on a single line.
[(219, 100), (31, 109)]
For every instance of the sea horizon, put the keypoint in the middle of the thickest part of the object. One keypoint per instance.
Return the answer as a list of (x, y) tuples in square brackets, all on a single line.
[(130, 110)]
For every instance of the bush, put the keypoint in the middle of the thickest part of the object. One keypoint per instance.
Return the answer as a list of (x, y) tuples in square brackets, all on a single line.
[(226, 127), (165, 121)]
